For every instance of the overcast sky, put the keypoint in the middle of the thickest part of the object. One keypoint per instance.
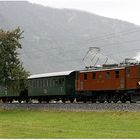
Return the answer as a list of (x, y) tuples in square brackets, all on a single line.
[(128, 10)]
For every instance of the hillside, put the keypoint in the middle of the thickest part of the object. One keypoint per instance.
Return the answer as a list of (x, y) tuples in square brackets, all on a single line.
[(57, 40)]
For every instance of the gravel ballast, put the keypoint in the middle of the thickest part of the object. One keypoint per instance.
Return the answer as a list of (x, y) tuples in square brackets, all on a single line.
[(74, 107)]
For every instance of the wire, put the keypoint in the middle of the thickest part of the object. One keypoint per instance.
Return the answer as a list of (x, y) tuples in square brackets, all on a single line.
[(107, 36)]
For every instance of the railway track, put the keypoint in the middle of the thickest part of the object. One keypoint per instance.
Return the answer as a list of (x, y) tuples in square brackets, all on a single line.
[(74, 106)]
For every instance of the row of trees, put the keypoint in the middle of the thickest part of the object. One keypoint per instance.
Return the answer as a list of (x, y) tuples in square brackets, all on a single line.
[(11, 68)]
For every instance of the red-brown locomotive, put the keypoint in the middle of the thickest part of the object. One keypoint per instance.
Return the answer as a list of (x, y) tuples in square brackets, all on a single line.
[(115, 84)]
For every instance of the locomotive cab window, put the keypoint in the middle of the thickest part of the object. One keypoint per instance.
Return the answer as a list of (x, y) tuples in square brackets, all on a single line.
[(107, 75), (117, 73), (128, 71), (94, 75), (85, 76), (139, 71)]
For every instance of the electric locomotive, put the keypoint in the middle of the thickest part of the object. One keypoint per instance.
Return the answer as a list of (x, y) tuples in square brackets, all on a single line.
[(121, 83)]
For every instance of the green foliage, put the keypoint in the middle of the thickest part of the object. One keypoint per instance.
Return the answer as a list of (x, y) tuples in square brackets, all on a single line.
[(11, 69)]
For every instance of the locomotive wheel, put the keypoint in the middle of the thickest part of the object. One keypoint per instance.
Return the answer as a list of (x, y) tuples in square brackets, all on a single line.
[(85, 101), (115, 101), (101, 101), (109, 101), (93, 101), (123, 100)]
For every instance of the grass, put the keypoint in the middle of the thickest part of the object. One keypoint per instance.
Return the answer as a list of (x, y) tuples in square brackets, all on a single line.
[(65, 124)]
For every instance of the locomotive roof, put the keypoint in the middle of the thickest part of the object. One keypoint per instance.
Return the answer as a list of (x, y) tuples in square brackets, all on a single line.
[(64, 73), (107, 69)]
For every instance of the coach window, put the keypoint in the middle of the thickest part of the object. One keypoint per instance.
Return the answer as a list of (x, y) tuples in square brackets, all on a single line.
[(56, 82), (37, 83), (85, 76), (44, 83), (117, 73), (34, 82), (30, 83), (48, 81), (107, 75), (61, 81), (94, 75), (41, 83), (53, 82)]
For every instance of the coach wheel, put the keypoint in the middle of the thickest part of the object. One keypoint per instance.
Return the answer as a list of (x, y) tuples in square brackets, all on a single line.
[(72, 100), (3, 100), (27, 100), (19, 100), (63, 100), (11, 100), (47, 100), (40, 100)]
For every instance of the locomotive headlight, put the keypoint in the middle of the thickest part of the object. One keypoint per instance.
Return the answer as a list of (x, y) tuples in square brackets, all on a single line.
[(139, 83)]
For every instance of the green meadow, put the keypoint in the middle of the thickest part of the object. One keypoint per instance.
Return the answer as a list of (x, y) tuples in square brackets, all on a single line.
[(68, 124)]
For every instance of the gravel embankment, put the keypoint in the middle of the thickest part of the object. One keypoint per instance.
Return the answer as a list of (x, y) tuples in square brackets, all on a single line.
[(74, 107)]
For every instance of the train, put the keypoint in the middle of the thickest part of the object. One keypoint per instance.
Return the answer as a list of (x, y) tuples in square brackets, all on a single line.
[(109, 83)]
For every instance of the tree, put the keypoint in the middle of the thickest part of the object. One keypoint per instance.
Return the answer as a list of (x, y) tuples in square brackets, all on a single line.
[(12, 71)]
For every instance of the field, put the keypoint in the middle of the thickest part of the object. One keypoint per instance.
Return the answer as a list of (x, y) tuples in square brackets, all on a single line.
[(64, 124)]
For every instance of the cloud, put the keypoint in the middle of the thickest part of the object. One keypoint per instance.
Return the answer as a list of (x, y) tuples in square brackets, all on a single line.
[(137, 57)]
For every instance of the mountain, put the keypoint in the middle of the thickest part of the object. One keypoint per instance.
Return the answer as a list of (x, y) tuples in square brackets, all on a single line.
[(58, 39)]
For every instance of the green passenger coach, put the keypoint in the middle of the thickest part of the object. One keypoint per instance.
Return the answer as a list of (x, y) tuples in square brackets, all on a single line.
[(8, 94), (52, 86)]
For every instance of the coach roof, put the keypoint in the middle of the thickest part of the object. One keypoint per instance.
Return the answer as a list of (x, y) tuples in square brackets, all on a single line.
[(64, 73)]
